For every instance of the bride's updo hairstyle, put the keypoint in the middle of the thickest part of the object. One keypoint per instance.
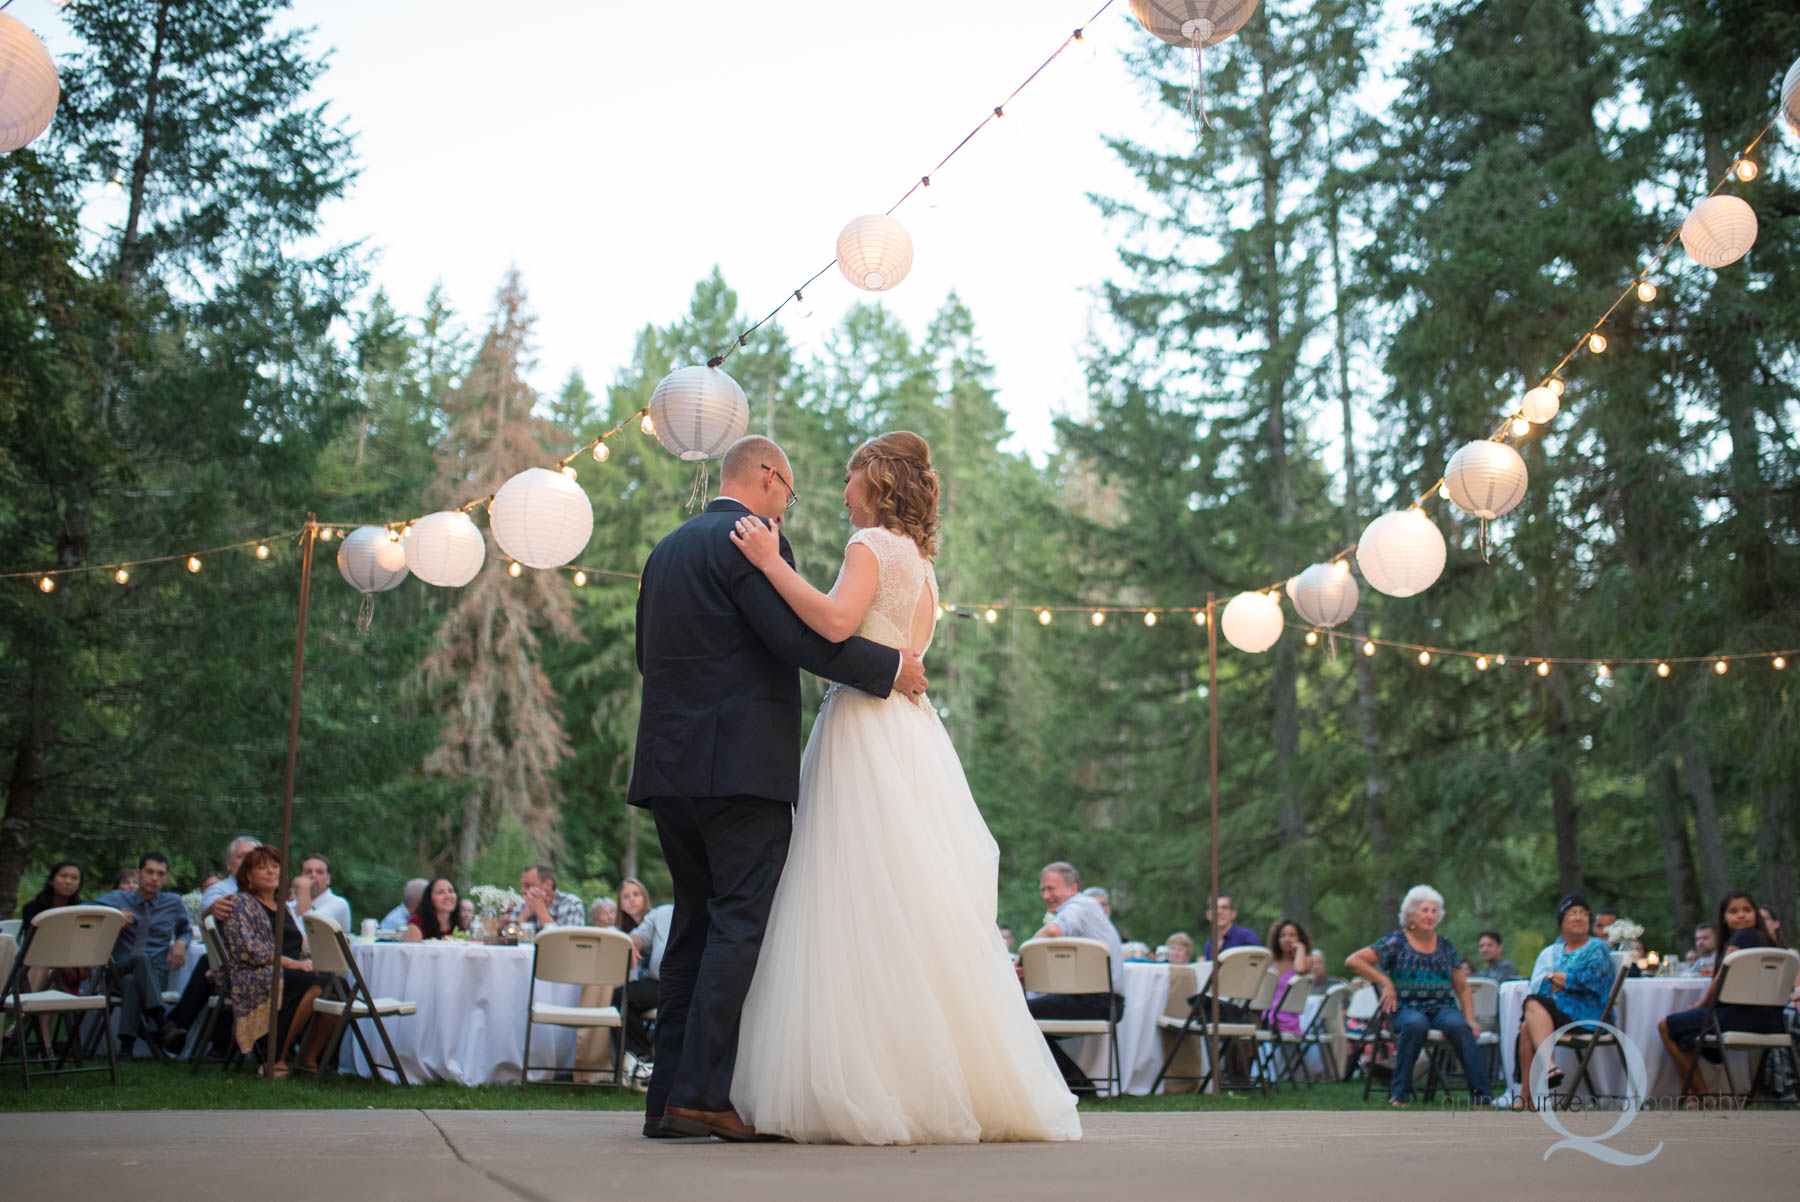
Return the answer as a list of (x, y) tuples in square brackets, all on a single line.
[(903, 488)]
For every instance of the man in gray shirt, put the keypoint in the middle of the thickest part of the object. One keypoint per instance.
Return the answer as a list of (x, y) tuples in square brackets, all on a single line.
[(1494, 964), (1074, 915)]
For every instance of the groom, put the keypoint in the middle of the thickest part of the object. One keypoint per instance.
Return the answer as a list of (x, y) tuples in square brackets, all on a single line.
[(718, 764)]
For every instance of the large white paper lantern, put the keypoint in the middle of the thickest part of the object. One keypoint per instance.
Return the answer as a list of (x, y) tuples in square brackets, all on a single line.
[(1720, 231), (28, 85), (542, 518), (1324, 594), (1193, 22), (1539, 405), (359, 560), (445, 549), (1486, 479), (874, 252), (390, 555), (1401, 553), (1251, 621), (698, 412), (1790, 97)]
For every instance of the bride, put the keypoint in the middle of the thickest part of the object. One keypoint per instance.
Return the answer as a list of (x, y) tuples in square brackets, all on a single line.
[(885, 1009)]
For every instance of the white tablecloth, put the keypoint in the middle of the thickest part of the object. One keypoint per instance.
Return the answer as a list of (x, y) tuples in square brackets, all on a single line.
[(470, 1027), (1647, 1001), (1145, 988)]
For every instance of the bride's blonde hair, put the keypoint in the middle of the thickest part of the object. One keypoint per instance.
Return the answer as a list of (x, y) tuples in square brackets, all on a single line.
[(903, 487)]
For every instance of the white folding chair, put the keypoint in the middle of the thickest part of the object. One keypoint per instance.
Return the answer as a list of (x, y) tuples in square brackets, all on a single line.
[(350, 1002), (1238, 977), (1484, 998), (1748, 976), (218, 1005), (598, 956), (1588, 1040), (1327, 1024), (1076, 966), (1284, 1049), (65, 937)]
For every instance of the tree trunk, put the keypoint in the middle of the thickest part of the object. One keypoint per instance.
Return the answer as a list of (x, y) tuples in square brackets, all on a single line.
[(1775, 857), (1564, 818), (1715, 870), (1678, 858), (129, 244), (468, 839), (21, 814)]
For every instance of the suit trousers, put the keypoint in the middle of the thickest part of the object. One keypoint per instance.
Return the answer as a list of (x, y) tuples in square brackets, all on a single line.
[(1073, 1006), (725, 856)]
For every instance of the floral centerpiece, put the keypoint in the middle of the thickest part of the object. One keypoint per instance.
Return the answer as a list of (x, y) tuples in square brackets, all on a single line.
[(494, 907), (1622, 931), (192, 903)]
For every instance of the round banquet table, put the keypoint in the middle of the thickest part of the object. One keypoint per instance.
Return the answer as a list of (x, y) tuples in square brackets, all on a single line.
[(1646, 1002), (470, 1027)]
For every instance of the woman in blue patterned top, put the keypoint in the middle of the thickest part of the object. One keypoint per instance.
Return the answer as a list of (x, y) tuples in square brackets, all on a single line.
[(1423, 986), (1570, 984)]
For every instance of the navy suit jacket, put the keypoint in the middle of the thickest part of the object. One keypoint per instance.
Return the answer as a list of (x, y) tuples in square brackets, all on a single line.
[(719, 651)]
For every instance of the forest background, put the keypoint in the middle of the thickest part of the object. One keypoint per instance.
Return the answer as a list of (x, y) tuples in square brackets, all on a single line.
[(1315, 304)]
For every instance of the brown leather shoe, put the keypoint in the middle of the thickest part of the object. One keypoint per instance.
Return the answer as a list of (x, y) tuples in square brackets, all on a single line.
[(723, 1123)]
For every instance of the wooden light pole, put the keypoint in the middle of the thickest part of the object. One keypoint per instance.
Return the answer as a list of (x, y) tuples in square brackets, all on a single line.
[(1212, 907), (308, 534)]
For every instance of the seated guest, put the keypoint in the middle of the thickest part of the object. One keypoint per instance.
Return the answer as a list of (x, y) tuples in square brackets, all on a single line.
[(1706, 949), (1603, 920), (1772, 924), (634, 903), (317, 897), (1181, 948), (218, 893), (1102, 897), (465, 913), (126, 880), (1315, 968), (1494, 965), (604, 913), (62, 887), (153, 943), (1293, 952), (544, 905), (409, 905), (209, 880), (1570, 983), (1422, 988), (438, 916), (215, 899), (1075, 915), (650, 938), (1224, 920), (1740, 925), (248, 936)]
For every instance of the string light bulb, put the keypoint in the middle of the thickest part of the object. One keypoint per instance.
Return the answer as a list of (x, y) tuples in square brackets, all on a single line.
[(568, 471), (647, 426), (1520, 428), (325, 533), (1744, 169), (262, 550), (1150, 619), (1199, 617), (1312, 638), (1597, 342), (991, 617), (1555, 384), (514, 570), (580, 579), (1543, 667), (193, 564), (1720, 667), (1043, 617), (122, 576), (1779, 663), (1424, 658), (1099, 618), (1481, 663), (1368, 649), (46, 584), (1662, 669), (1500, 661), (1646, 291), (1602, 672), (1443, 488), (393, 535), (601, 454)]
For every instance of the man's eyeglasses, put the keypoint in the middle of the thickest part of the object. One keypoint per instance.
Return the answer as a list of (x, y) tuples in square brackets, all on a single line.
[(792, 500)]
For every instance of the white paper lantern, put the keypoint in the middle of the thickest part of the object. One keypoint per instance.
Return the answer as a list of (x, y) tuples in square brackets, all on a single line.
[(1720, 231), (29, 88), (445, 549), (1540, 405), (874, 252), (1193, 22), (542, 518), (1790, 97), (391, 555), (1486, 479), (1251, 621), (1401, 553), (698, 412), (359, 560), (1324, 594)]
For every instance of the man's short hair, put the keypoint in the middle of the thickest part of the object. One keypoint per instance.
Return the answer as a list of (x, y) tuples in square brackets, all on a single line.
[(1606, 912), (1064, 869), (154, 855), (544, 872), (1097, 891), (1494, 935), (415, 889), (232, 846), (315, 856), (748, 454), (1698, 927)]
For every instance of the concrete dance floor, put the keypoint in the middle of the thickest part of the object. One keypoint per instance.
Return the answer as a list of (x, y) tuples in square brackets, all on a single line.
[(506, 1156)]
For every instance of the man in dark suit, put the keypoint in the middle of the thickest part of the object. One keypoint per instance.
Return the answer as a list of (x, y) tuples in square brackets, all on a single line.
[(718, 764)]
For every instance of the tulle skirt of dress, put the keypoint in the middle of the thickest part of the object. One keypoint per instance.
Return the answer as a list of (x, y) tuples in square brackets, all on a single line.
[(885, 1009)]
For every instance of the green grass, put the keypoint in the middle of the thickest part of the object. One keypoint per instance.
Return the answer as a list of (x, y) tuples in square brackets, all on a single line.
[(166, 1086)]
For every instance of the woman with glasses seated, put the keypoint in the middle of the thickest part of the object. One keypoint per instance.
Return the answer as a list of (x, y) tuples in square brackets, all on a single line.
[(1570, 983)]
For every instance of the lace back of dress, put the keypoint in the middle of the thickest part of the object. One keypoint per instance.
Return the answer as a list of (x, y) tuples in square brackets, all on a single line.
[(906, 594)]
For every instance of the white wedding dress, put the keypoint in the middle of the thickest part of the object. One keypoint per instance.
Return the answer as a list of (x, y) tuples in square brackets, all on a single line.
[(885, 1009)]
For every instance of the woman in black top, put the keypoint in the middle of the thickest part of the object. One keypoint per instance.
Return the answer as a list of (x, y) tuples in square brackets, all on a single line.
[(61, 888), (1740, 925)]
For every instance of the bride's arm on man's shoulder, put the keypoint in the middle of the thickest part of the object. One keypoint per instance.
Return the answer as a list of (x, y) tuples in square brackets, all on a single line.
[(835, 615)]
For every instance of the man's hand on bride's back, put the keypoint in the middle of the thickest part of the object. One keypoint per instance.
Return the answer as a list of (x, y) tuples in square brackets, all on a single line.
[(758, 541), (911, 680)]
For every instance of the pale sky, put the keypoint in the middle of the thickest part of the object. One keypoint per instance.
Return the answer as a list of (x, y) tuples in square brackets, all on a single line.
[(615, 152)]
